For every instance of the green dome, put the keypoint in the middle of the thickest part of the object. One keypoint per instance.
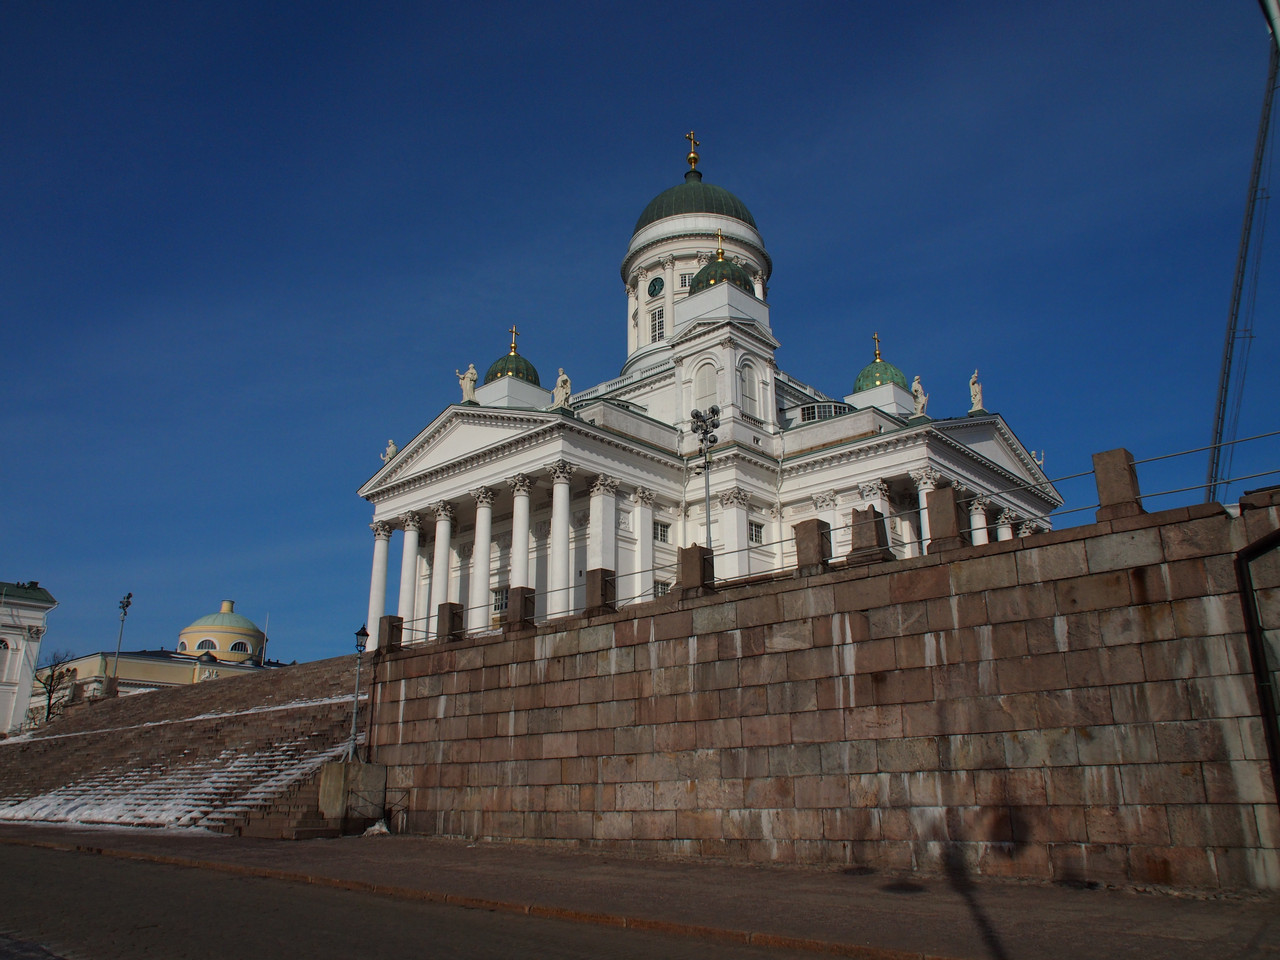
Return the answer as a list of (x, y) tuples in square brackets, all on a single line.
[(722, 271), (877, 372), (694, 196), (512, 365)]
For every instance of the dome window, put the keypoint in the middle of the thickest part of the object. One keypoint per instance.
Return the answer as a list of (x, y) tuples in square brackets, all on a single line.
[(182, 646), (239, 647), (206, 645)]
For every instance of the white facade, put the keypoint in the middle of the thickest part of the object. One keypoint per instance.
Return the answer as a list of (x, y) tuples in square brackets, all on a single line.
[(24, 609), (509, 492)]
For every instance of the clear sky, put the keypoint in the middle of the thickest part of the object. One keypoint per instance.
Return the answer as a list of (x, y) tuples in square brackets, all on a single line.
[(242, 244)]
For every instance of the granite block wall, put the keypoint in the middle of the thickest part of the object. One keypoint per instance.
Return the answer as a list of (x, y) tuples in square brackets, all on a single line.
[(1074, 705)]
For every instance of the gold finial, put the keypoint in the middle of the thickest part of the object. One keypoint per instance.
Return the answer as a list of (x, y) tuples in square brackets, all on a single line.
[(693, 150), (514, 333), (876, 337), (719, 245)]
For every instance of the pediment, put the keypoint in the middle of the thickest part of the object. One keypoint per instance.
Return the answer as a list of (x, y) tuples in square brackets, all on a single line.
[(991, 439), (458, 433)]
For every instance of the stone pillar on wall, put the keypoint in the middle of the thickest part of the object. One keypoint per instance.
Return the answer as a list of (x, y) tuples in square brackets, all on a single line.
[(440, 563), (378, 581), (926, 480), (869, 541), (736, 561), (978, 521), (409, 568), (696, 567), (479, 599), (813, 547), (1117, 480), (944, 520), (559, 600)]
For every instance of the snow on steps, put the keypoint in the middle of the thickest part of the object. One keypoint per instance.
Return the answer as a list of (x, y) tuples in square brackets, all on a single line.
[(233, 755)]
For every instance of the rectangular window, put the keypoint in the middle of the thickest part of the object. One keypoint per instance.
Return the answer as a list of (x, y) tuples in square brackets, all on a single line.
[(755, 532), (661, 589), (657, 325), (661, 531), (500, 597), (685, 280)]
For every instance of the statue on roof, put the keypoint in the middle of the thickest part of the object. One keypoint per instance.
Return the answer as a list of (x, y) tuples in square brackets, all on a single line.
[(391, 451), (975, 394), (560, 396), (920, 397), (467, 381)]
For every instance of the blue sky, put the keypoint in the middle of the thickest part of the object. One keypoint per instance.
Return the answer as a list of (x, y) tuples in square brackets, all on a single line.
[(245, 243)]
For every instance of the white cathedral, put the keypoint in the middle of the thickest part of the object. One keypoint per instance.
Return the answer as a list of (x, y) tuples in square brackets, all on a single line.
[(517, 486)]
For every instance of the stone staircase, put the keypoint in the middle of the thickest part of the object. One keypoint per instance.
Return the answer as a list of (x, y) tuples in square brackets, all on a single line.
[(239, 755)]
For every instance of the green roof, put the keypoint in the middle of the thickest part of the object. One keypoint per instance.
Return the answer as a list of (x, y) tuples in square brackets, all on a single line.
[(512, 365), (25, 591), (877, 372), (721, 271), (231, 620), (694, 196)]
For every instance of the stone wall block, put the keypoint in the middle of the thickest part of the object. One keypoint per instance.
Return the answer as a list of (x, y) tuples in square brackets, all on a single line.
[(1208, 616), (916, 754), (1056, 561), (1041, 748), (1104, 666), (1120, 551), (1084, 786), (1147, 825), (1199, 538), (869, 722), (817, 726), (1238, 781), (1167, 783), (1084, 707), (1149, 584), (795, 760), (1099, 591), (1233, 696), (862, 595), (1019, 603), (921, 583), (812, 601), (1003, 788), (1136, 624), (714, 618), (896, 686), (982, 573), (1212, 825), (1142, 702), (841, 757), (1027, 674)]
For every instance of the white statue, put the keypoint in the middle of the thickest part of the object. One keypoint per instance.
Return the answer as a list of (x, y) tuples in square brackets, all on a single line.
[(1038, 461), (975, 393), (920, 397), (391, 451), (468, 383), (560, 396)]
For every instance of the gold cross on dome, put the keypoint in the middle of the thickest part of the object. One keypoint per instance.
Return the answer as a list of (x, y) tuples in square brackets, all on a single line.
[(514, 333), (876, 337), (693, 149)]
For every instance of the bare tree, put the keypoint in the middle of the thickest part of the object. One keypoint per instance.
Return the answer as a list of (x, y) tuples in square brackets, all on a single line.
[(53, 676)]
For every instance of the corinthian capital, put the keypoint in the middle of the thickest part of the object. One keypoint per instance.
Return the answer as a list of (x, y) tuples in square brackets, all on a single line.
[(520, 483), (643, 495), (381, 530), (668, 261), (926, 478), (561, 470), (735, 497), (411, 521), (873, 490), (606, 486), (443, 510), (483, 496)]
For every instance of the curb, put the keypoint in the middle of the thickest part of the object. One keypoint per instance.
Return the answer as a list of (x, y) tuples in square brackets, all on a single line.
[(689, 931)]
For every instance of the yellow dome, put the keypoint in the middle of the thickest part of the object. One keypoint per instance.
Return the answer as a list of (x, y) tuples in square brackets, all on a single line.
[(226, 635)]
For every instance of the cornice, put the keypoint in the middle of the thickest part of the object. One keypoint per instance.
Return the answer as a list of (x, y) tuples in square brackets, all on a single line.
[(639, 252)]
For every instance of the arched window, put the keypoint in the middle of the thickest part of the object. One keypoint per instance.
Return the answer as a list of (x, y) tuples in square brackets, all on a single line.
[(750, 388), (182, 646), (206, 645), (4, 644), (239, 647), (704, 386)]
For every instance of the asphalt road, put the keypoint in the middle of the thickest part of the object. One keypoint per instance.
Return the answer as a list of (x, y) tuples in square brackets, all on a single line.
[(83, 907)]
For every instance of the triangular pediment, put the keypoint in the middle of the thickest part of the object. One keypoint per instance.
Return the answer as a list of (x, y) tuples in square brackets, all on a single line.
[(990, 438), (461, 431)]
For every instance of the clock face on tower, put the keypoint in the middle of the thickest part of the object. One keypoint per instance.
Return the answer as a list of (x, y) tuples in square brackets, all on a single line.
[(655, 286)]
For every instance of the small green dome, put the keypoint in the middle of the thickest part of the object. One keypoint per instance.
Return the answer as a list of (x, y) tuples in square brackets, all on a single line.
[(512, 365), (694, 196), (877, 372), (226, 617), (721, 271)]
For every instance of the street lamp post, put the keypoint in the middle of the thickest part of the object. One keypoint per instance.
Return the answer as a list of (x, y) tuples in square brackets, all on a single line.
[(362, 641), (702, 425), (125, 603)]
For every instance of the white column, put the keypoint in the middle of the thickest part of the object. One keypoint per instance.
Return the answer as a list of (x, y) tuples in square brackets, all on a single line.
[(409, 568), (559, 599), (422, 600), (642, 307), (775, 535), (480, 600), (602, 532), (1004, 525), (633, 317), (440, 563), (926, 479), (757, 283), (669, 289), (978, 521), (641, 582), (378, 581), (520, 486), (733, 519)]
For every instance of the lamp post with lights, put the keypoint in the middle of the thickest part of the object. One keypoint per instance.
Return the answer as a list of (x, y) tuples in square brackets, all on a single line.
[(362, 641), (703, 425)]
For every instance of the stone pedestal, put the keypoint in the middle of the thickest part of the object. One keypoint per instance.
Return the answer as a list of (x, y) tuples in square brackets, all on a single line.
[(601, 592), (696, 567), (813, 547), (1117, 480), (449, 621), (944, 521), (519, 609), (870, 540), (390, 633)]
